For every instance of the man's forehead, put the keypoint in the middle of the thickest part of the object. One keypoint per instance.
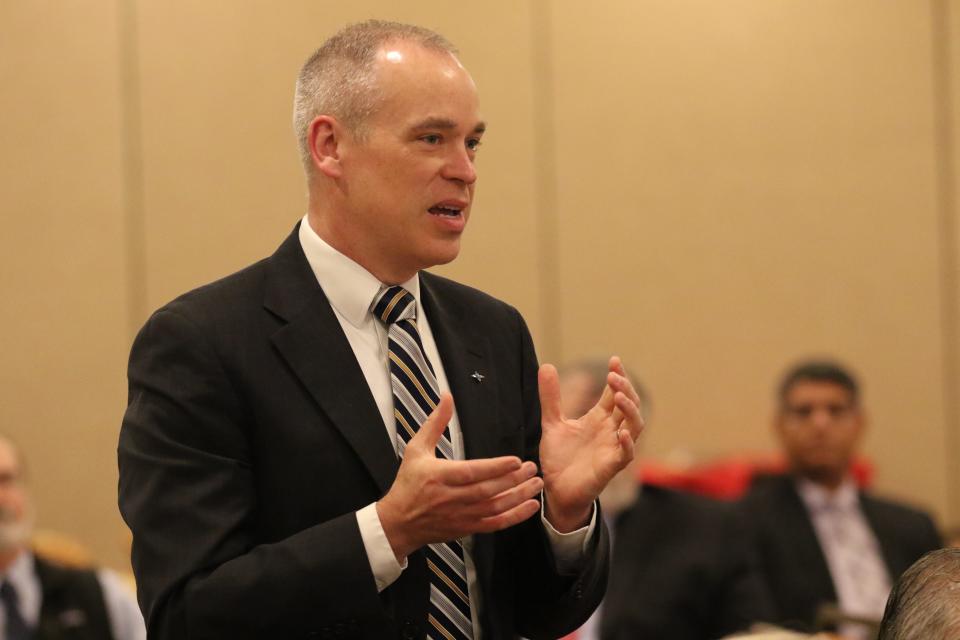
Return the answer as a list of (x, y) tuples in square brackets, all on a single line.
[(399, 52), (807, 391), (402, 62), (9, 461)]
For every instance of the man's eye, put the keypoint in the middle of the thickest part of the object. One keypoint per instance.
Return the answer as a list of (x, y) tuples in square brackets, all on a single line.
[(837, 410), (431, 138), (802, 412), (473, 144)]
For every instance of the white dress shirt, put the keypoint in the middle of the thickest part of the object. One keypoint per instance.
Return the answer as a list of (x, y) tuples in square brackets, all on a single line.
[(851, 549), (351, 289), (123, 614)]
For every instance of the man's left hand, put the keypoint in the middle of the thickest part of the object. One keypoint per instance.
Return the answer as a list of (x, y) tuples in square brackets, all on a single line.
[(580, 456)]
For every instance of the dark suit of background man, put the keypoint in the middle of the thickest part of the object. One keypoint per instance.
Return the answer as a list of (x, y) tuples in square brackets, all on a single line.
[(43, 600), (820, 540), (258, 462)]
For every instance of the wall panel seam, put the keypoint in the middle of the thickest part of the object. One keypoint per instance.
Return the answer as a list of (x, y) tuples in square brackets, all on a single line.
[(131, 131), (545, 163), (949, 254)]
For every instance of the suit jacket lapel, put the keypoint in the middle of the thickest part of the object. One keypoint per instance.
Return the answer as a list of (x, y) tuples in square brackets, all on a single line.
[(314, 345), (889, 550), (464, 352), (805, 544)]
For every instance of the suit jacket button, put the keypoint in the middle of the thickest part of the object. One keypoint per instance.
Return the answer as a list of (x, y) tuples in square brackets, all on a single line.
[(410, 630)]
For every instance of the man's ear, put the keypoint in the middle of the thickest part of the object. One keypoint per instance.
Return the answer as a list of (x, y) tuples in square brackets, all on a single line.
[(324, 137)]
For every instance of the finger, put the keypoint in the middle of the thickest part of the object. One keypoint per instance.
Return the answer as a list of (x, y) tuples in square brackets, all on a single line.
[(548, 383), (606, 399), (616, 364), (468, 472), (509, 518), (617, 415), (427, 437), (632, 418), (486, 489), (619, 381), (506, 500), (627, 450)]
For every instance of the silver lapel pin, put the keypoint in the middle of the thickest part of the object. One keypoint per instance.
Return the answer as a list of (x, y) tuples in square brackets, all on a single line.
[(476, 375)]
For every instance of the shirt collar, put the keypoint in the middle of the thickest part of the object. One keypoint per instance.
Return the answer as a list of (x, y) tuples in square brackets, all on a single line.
[(20, 571), (818, 498), (349, 287)]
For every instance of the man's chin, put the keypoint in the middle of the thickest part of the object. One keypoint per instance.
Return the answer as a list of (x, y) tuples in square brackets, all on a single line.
[(822, 472), (444, 254), (14, 536)]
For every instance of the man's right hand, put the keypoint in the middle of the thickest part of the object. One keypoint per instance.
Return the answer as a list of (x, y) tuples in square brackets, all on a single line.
[(436, 500)]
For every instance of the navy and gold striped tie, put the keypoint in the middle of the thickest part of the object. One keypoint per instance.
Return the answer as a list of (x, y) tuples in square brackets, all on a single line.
[(415, 395)]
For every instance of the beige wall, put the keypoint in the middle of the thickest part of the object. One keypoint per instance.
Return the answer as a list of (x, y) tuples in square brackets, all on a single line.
[(710, 189), (62, 260), (947, 16)]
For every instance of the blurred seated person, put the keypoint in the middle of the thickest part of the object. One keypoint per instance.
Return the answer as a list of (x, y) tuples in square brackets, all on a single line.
[(41, 600), (827, 549), (680, 567), (925, 601)]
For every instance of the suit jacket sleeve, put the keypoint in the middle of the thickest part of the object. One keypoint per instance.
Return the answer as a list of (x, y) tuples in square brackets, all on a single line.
[(187, 491)]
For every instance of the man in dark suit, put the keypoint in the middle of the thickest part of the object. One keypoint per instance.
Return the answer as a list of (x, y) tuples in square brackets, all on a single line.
[(828, 550), (681, 566), (259, 465), (42, 600)]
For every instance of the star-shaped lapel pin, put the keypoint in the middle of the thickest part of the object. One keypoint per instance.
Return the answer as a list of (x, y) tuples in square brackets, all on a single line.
[(476, 375)]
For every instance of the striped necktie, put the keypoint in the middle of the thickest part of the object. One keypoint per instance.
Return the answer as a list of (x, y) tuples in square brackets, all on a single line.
[(415, 395)]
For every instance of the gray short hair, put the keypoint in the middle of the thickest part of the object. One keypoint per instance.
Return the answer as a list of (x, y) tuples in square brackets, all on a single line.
[(925, 601), (338, 79)]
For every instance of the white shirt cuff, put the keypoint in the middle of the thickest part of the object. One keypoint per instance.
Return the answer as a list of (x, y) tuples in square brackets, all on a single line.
[(383, 562), (568, 548)]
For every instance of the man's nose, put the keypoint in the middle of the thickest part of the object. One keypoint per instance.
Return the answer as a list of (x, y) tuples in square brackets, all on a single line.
[(460, 167), (821, 417)]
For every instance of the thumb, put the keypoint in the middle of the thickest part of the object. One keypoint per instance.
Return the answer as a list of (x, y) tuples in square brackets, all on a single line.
[(549, 385), (428, 435)]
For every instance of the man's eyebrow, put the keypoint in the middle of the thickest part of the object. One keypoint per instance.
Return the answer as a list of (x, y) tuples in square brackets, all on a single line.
[(444, 124)]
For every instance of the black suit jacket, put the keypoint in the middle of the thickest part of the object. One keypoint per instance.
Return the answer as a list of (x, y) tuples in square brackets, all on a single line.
[(794, 567), (682, 570), (251, 439), (71, 606)]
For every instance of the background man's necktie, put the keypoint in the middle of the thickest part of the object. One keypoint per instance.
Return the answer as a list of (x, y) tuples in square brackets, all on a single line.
[(15, 628), (415, 395)]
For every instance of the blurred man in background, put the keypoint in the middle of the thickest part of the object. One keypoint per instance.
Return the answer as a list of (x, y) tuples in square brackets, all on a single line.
[(681, 568), (826, 548), (40, 600)]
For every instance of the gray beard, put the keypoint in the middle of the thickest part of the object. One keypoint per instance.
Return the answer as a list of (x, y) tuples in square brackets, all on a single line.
[(14, 533)]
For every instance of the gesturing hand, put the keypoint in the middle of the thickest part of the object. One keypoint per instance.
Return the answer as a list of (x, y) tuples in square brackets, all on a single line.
[(436, 500), (580, 456)]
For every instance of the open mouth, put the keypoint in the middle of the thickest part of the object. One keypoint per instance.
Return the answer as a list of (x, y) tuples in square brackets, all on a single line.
[(450, 211)]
